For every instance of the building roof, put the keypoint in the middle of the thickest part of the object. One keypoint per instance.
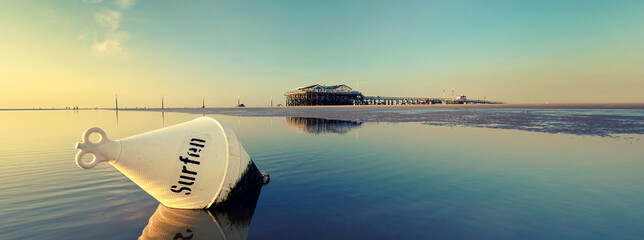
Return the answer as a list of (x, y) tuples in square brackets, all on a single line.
[(325, 87)]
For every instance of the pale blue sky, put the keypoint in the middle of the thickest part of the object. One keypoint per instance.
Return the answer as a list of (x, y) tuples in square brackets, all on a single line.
[(68, 53)]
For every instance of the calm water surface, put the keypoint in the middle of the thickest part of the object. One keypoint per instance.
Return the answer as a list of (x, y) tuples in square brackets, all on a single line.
[(337, 180)]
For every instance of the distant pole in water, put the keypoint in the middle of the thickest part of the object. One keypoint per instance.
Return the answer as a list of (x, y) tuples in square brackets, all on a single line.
[(452, 93), (162, 101), (203, 102), (237, 100), (271, 101), (116, 99)]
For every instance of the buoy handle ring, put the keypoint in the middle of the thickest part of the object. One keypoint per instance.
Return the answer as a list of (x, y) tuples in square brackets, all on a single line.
[(102, 150)]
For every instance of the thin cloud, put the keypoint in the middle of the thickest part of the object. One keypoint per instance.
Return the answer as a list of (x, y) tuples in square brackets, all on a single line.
[(112, 45), (112, 42), (123, 4), (109, 19)]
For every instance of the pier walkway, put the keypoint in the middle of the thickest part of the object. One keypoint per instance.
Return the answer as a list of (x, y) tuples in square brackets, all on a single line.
[(377, 100)]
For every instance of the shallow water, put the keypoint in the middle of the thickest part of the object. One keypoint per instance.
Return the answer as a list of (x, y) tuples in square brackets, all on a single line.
[(340, 180)]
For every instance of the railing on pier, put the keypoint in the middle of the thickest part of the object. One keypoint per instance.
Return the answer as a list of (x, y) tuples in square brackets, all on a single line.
[(377, 100)]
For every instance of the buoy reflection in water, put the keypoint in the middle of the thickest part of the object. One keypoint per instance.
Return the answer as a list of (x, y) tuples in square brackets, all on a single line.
[(219, 223)]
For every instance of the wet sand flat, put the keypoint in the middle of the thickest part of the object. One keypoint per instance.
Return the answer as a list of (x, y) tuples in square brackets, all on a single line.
[(597, 119)]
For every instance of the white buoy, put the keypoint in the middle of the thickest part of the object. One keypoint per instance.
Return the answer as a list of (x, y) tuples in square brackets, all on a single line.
[(191, 165)]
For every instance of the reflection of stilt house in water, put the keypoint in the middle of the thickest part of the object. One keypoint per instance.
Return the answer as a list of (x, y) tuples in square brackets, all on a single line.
[(321, 126), (322, 95)]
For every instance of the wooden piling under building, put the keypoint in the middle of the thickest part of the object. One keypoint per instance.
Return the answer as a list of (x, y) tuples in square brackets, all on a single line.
[(321, 98)]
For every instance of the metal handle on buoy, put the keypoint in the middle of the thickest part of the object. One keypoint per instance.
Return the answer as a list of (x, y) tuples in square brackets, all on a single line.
[(103, 150), (267, 178)]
